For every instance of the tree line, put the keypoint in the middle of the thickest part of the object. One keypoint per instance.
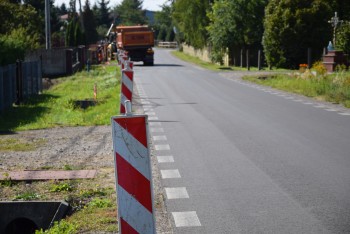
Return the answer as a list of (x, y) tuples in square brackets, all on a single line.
[(282, 29), (22, 25)]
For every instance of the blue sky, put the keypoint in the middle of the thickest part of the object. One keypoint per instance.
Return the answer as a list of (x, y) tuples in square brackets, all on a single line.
[(152, 5)]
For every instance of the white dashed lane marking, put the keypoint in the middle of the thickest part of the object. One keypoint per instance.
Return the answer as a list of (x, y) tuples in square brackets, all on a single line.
[(292, 98), (157, 130), (176, 193), (319, 106), (165, 159), (159, 138), (186, 219), (154, 124), (170, 174), (181, 219), (162, 147), (153, 118)]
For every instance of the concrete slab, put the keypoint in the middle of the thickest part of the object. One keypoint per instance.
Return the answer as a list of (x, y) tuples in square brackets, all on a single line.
[(48, 175)]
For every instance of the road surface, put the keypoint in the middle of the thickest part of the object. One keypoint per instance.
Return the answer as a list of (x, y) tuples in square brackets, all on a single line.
[(240, 158)]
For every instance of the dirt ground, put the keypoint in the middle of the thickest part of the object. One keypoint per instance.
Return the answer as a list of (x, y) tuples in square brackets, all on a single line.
[(78, 148)]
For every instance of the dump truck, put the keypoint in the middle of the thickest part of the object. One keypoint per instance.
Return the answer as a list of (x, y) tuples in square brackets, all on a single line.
[(137, 42)]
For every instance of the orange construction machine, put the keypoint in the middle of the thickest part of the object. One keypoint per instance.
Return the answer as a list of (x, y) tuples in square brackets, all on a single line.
[(137, 41)]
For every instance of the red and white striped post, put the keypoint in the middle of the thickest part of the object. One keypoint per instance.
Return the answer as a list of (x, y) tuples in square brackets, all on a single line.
[(124, 59), (126, 88), (121, 53), (133, 174), (129, 65)]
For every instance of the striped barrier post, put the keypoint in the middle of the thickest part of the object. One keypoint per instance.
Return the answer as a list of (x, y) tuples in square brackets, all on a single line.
[(133, 174), (126, 88), (120, 57), (124, 59), (129, 65)]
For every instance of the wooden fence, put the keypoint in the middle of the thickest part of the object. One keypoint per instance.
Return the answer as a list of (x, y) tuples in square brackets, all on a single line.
[(18, 82)]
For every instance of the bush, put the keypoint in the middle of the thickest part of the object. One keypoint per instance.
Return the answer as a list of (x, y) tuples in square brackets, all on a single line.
[(293, 26), (15, 44), (62, 227), (319, 68), (343, 37)]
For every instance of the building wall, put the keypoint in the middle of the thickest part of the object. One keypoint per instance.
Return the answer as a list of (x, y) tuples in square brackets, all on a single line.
[(203, 54)]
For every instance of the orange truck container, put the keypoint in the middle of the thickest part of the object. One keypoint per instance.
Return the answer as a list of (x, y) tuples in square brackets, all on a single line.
[(137, 41)]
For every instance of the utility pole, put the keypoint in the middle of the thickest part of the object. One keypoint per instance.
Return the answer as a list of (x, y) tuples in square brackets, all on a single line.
[(47, 25)]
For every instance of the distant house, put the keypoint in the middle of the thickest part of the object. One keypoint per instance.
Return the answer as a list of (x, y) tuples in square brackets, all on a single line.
[(64, 18), (150, 16)]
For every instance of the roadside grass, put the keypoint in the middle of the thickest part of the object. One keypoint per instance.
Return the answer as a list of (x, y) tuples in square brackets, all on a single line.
[(57, 105), (333, 88), (93, 201), (214, 66), (18, 144)]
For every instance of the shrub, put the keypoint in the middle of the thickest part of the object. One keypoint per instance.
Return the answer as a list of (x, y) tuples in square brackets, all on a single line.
[(319, 68), (62, 227), (100, 203)]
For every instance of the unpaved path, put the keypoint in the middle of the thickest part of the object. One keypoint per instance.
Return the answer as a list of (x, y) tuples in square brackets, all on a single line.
[(77, 148)]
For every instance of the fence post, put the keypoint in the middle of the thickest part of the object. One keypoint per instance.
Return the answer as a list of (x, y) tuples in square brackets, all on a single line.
[(40, 75), (248, 65), (69, 62), (32, 88), (35, 77), (19, 83), (259, 60), (1, 90), (241, 57)]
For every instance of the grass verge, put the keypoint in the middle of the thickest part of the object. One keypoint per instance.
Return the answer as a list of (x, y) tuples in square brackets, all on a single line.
[(213, 66), (57, 106), (314, 83), (333, 88), (93, 201), (19, 144)]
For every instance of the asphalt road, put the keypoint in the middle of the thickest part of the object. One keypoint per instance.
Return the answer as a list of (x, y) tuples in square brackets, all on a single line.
[(241, 158)]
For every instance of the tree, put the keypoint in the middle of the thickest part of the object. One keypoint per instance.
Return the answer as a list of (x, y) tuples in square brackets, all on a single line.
[(15, 44), (343, 37), (190, 17), (161, 33), (235, 24), (15, 16), (343, 31), (63, 9), (89, 24), (130, 12), (74, 33), (291, 27), (102, 16), (343, 9), (163, 24), (18, 31)]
